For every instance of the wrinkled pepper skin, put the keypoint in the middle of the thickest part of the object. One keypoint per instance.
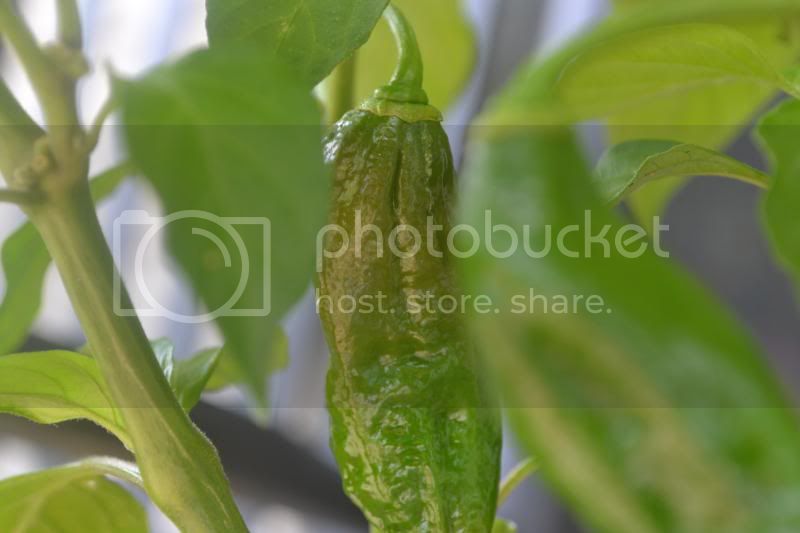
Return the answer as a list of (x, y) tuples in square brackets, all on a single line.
[(416, 438)]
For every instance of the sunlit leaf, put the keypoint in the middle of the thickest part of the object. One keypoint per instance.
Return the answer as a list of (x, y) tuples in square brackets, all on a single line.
[(76, 497), (701, 89), (639, 67), (53, 387)]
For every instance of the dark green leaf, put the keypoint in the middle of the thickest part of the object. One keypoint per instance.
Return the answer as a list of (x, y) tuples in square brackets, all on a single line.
[(628, 166), (651, 411), (53, 387), (192, 375), (228, 373), (778, 133), (25, 263), (447, 44), (312, 35), (229, 133), (187, 377), (75, 497)]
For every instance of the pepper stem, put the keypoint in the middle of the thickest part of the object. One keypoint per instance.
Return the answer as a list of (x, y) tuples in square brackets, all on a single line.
[(406, 83)]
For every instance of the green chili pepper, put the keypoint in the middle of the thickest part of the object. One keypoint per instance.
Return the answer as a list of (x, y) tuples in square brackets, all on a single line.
[(413, 430)]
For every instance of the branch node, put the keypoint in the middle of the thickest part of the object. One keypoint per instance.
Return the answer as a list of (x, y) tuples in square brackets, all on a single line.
[(70, 62)]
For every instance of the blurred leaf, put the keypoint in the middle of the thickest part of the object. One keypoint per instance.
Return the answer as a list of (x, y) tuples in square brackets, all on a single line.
[(627, 166), (652, 102), (710, 116), (666, 51), (227, 373), (502, 525), (25, 263), (229, 133), (448, 48), (187, 377), (635, 68), (53, 387), (312, 35), (653, 412), (778, 135), (75, 497)]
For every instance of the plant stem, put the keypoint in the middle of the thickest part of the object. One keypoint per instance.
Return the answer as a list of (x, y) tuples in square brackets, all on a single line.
[(514, 478), (55, 91), (22, 198), (180, 467), (406, 83), (93, 135), (339, 90), (70, 33), (409, 70)]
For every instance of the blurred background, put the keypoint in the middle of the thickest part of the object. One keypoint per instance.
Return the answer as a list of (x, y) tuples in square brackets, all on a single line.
[(283, 472)]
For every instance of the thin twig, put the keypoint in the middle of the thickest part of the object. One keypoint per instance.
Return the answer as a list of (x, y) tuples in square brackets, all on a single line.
[(93, 135), (514, 478), (54, 91), (70, 32), (21, 198)]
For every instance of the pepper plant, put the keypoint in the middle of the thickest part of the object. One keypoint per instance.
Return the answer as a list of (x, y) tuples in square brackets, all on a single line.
[(655, 413)]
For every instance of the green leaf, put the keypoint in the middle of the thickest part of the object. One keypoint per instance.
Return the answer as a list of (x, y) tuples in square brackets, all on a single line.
[(228, 373), (695, 89), (650, 412), (634, 69), (53, 387), (58, 386), (711, 116), (645, 55), (777, 133), (229, 133), (75, 497), (312, 35), (628, 166), (25, 262), (187, 377), (447, 43)]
